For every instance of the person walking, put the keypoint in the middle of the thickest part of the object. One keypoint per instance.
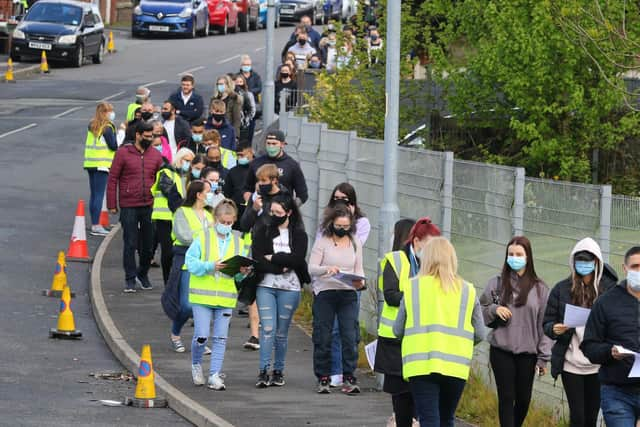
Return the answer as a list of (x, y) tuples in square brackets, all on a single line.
[(439, 321), (267, 187), (99, 149), (177, 129), (233, 187), (337, 251), (132, 174), (513, 305), (225, 92), (614, 326), (396, 268), (187, 102), (280, 248), (590, 277), (212, 293)]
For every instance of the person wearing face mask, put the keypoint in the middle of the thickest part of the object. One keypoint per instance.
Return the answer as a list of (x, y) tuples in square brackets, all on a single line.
[(143, 95), (614, 324), (217, 121), (247, 123), (198, 163), (513, 305), (197, 134), (177, 129), (163, 147), (314, 36), (131, 177), (182, 164), (211, 139), (302, 49), (214, 161), (225, 91), (266, 187), (590, 277), (315, 63), (188, 103), (375, 47), (285, 82), (328, 51), (146, 114), (234, 184), (254, 82), (99, 149), (213, 294), (212, 176)]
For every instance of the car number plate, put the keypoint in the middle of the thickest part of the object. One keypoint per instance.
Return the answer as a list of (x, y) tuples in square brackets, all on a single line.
[(158, 28), (286, 11), (41, 46)]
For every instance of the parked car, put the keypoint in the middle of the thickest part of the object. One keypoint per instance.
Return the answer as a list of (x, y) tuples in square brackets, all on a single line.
[(188, 17), (262, 17), (223, 16), (66, 30), (332, 10), (293, 10), (248, 11)]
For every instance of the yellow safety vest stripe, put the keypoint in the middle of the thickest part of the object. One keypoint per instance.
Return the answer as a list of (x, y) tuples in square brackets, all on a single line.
[(97, 153), (194, 223), (131, 111), (161, 209)]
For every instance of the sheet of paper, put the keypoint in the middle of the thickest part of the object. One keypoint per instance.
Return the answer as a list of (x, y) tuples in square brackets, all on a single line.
[(635, 369), (348, 278), (370, 351), (575, 316), (623, 350)]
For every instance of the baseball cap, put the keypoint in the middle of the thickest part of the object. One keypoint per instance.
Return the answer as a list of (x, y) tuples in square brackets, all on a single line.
[(278, 135)]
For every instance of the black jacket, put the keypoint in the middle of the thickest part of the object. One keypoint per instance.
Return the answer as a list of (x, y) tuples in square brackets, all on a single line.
[(559, 297), (254, 83), (252, 218), (194, 109), (233, 187), (291, 175), (181, 132), (168, 187), (614, 320)]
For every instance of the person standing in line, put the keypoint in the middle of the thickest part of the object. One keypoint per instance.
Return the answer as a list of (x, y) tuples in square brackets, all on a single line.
[(211, 139), (439, 322), (513, 305), (218, 121), (182, 164), (143, 94), (613, 326), (267, 187), (188, 103), (254, 82), (397, 267), (233, 187), (212, 176), (337, 251), (197, 135), (302, 50), (225, 92), (212, 293), (590, 277), (99, 149), (285, 81), (198, 163), (247, 124), (176, 128), (132, 174), (214, 161), (280, 248)]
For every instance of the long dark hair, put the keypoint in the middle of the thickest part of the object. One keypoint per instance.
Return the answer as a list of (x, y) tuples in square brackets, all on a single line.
[(584, 294), (288, 204), (348, 190), (194, 187), (340, 210), (401, 233), (199, 158), (529, 279)]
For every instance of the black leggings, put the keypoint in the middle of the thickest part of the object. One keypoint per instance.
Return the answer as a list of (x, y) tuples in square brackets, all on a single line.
[(403, 408), (163, 237), (583, 396), (514, 375)]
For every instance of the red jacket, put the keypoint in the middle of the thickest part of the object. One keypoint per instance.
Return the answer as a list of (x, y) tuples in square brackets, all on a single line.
[(131, 177)]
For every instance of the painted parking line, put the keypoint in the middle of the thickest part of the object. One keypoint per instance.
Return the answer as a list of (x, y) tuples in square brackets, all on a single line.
[(29, 126), (191, 70), (260, 49), (224, 61), (159, 82), (110, 96), (69, 111)]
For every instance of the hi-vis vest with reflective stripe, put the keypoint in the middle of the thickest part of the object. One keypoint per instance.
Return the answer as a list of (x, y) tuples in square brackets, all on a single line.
[(438, 335), (97, 153), (131, 111), (194, 223), (217, 289), (226, 155), (400, 264), (161, 209)]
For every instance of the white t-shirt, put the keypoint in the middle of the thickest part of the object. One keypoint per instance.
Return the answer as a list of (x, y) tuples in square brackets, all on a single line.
[(287, 281), (169, 126), (185, 98)]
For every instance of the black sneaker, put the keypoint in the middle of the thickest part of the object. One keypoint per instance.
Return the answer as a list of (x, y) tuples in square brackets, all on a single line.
[(144, 283), (130, 287), (252, 343), (243, 312), (323, 385), (350, 385), (263, 379), (277, 379)]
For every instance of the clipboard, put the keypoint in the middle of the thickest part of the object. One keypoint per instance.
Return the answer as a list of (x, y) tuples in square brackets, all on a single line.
[(348, 278), (233, 264)]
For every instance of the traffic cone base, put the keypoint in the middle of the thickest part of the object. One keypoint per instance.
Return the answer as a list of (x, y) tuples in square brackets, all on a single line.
[(69, 335), (78, 249), (66, 324), (146, 403), (104, 214), (145, 395)]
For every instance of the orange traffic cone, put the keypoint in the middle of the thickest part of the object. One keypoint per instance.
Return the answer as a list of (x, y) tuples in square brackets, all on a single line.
[(66, 325), (104, 214), (8, 76), (78, 249), (44, 65), (145, 396), (111, 46), (59, 278)]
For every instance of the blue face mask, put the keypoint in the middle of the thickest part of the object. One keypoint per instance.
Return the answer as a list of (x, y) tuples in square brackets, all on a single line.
[(195, 173), (214, 185), (221, 88), (158, 147), (185, 166), (197, 137), (584, 268), (246, 68), (243, 161), (517, 263), (223, 229), (209, 199)]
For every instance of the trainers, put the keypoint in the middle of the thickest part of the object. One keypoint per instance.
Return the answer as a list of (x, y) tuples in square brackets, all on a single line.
[(144, 283), (216, 383), (130, 286), (177, 345), (323, 385), (197, 375), (336, 381), (350, 385), (98, 230), (277, 379), (252, 343), (243, 312), (263, 379), (207, 351)]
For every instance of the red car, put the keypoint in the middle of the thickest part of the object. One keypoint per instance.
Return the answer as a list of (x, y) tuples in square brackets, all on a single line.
[(248, 14), (223, 16)]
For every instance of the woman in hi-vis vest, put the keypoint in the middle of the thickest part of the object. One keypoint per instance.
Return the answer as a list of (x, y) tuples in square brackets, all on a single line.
[(212, 293), (440, 321)]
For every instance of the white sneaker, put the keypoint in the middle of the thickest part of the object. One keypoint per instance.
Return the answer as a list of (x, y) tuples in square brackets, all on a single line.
[(197, 375), (207, 351), (336, 380), (98, 230), (216, 383)]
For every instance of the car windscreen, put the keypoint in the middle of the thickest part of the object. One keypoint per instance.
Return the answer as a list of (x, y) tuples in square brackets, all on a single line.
[(58, 13)]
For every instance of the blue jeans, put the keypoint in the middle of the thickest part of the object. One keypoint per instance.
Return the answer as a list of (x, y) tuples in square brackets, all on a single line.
[(202, 316), (326, 306), (620, 407), (336, 345), (185, 306), (276, 308), (97, 187), (137, 233), (436, 398)]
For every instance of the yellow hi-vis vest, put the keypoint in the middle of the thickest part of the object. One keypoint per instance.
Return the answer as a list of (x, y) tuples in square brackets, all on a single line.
[(400, 264), (226, 155), (216, 289), (194, 223), (438, 335), (161, 209), (97, 153), (131, 111)]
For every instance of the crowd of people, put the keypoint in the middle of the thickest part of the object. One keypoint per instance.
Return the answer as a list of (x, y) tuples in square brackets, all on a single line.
[(186, 180)]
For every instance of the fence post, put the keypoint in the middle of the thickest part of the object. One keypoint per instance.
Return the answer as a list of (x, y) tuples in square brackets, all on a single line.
[(605, 221), (447, 194), (284, 114), (518, 203)]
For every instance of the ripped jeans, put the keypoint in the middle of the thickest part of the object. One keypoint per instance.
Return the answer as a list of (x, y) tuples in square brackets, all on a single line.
[(276, 308), (202, 316)]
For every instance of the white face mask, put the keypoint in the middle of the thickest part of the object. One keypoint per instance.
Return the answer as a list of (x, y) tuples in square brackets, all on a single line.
[(633, 280)]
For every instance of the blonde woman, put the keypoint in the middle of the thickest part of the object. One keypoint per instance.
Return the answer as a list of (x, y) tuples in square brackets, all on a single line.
[(440, 321), (182, 163), (225, 91), (99, 149)]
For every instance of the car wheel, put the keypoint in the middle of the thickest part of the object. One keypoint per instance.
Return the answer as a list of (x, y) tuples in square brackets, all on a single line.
[(207, 27), (78, 59), (225, 30), (253, 25), (98, 58), (243, 22), (194, 31), (277, 25)]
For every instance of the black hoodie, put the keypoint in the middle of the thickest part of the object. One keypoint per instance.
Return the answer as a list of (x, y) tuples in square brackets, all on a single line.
[(291, 175)]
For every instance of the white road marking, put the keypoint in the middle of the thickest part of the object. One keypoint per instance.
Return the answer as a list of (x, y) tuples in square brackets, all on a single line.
[(115, 95), (29, 126), (191, 70), (260, 48), (64, 113), (224, 61), (159, 82), (258, 132)]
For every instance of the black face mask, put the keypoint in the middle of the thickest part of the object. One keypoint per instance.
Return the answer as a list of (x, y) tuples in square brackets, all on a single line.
[(166, 115), (264, 189), (146, 115), (217, 117), (302, 42), (339, 232), (284, 75), (145, 143), (277, 221), (215, 165)]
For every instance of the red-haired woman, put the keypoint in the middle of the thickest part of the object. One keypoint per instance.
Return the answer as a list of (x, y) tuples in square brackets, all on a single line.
[(402, 263), (513, 304)]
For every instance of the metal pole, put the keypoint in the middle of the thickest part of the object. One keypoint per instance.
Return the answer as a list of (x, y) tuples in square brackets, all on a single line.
[(389, 212), (518, 203), (605, 221), (268, 94), (447, 193)]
